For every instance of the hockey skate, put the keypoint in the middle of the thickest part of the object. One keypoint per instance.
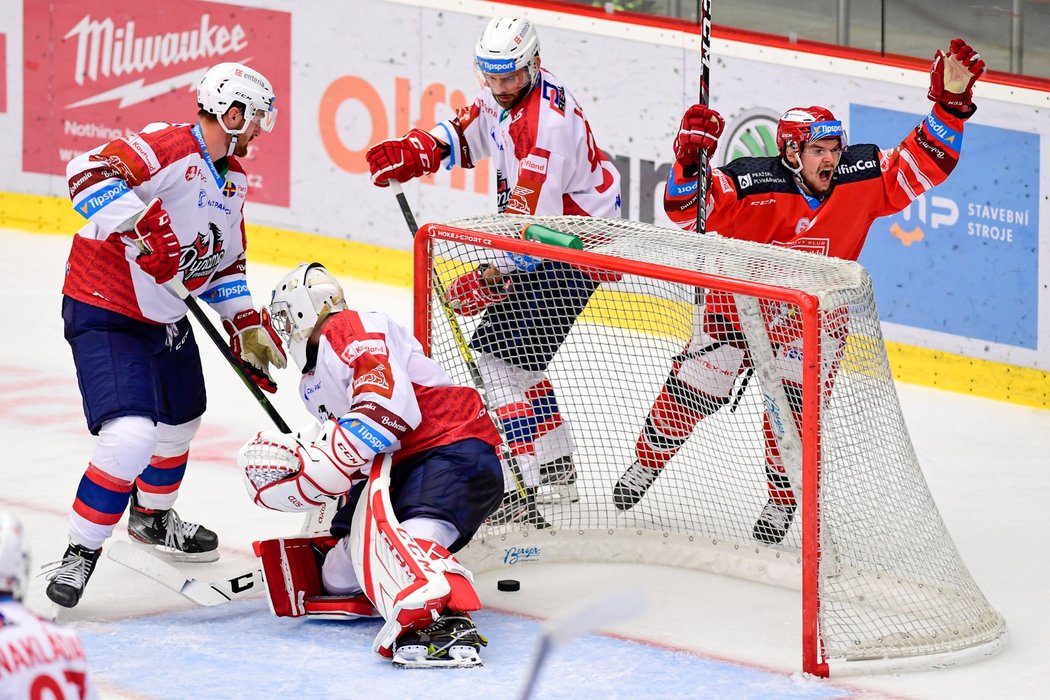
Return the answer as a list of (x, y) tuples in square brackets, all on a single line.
[(558, 482), (69, 576), (170, 535), (632, 485), (518, 508), (450, 641), (773, 523)]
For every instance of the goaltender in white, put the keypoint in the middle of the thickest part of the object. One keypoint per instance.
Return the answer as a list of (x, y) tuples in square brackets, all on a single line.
[(409, 456)]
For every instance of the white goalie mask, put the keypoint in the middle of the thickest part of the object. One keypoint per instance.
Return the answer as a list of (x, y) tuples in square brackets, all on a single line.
[(14, 557), (508, 44), (301, 300), (227, 83)]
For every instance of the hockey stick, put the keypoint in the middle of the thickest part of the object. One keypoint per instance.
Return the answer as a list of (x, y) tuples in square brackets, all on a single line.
[(584, 617), (457, 333), (704, 8), (206, 593), (202, 593), (176, 287)]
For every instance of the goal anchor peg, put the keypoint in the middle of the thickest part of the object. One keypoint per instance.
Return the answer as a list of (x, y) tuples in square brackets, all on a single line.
[(542, 234)]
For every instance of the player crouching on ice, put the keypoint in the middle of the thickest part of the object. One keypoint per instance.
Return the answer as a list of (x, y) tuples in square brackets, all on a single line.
[(415, 457)]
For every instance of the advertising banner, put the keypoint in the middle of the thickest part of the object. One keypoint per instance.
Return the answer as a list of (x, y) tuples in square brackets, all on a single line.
[(93, 72), (963, 258)]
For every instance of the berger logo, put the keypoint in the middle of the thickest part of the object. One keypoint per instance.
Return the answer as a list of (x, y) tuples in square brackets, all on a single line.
[(520, 555), (105, 50)]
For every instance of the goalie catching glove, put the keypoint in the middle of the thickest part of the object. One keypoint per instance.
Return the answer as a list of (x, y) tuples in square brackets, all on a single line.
[(287, 473), (418, 153), (255, 343), (475, 291), (952, 76)]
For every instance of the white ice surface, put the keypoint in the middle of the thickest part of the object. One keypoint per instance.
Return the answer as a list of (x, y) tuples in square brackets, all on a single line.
[(985, 462)]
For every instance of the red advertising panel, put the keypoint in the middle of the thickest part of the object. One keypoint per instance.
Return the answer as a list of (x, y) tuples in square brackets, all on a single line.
[(96, 71)]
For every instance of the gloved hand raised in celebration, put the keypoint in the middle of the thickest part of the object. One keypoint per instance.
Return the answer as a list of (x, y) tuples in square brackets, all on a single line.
[(256, 344), (418, 153), (952, 76), (700, 129), (157, 247)]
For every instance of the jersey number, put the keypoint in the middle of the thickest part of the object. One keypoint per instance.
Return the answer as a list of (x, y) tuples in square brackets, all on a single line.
[(45, 687)]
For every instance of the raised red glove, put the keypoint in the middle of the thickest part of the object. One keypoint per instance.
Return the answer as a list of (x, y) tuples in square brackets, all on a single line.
[(953, 74), (255, 343), (476, 290), (700, 129), (418, 153), (158, 246)]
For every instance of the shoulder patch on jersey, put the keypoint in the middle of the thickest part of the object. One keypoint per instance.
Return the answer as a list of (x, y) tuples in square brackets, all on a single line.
[(374, 377), (859, 162), (759, 176)]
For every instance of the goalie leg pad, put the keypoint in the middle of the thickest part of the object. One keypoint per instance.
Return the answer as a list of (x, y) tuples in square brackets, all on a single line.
[(408, 583), (291, 568)]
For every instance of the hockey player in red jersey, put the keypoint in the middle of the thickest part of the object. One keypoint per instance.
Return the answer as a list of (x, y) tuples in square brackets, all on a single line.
[(547, 163), (163, 205), (38, 659), (413, 454), (819, 195)]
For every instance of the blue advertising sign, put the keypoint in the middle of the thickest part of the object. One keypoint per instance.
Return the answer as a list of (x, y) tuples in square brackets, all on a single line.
[(962, 258)]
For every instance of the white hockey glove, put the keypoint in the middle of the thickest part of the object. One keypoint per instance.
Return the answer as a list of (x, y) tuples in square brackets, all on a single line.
[(283, 472), (256, 344)]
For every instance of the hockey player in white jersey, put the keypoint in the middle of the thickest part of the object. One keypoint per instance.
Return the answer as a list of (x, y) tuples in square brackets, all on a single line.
[(547, 163), (412, 455), (38, 659), (163, 204)]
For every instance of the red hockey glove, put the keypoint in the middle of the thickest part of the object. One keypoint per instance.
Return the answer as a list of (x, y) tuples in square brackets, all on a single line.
[(418, 153), (700, 129), (474, 291), (158, 246), (952, 76), (256, 344)]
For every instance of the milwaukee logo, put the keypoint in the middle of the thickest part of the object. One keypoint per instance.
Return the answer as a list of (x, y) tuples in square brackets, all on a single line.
[(105, 50)]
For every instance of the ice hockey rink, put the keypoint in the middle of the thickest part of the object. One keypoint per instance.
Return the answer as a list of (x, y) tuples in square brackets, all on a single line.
[(696, 635)]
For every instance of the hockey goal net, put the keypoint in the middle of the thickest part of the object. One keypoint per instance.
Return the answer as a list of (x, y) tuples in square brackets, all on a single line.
[(883, 586)]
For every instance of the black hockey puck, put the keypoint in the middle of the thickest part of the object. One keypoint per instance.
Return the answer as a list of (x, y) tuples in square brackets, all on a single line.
[(508, 584)]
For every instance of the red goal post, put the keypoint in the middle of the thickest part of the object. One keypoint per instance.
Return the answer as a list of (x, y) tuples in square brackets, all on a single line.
[(883, 587)]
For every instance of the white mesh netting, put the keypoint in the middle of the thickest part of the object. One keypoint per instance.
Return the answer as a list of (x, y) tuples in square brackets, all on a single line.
[(890, 585)]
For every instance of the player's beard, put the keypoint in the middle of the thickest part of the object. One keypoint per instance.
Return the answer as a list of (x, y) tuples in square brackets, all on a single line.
[(241, 149), (820, 182), (511, 100)]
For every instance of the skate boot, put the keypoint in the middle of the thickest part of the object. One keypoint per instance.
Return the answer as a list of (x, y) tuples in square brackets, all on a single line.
[(558, 482), (451, 641), (632, 485), (773, 523), (170, 535), (69, 576), (518, 508)]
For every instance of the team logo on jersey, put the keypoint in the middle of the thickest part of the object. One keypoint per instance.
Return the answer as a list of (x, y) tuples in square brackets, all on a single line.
[(194, 172), (802, 224), (376, 380), (202, 258), (229, 189)]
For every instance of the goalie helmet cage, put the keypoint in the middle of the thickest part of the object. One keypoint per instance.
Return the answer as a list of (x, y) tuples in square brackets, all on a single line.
[(883, 587)]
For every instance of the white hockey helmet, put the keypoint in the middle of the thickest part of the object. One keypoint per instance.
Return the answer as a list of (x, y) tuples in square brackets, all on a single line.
[(301, 300), (14, 557), (508, 44), (226, 83)]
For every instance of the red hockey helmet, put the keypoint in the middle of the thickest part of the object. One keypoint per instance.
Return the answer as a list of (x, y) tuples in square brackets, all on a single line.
[(800, 125)]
